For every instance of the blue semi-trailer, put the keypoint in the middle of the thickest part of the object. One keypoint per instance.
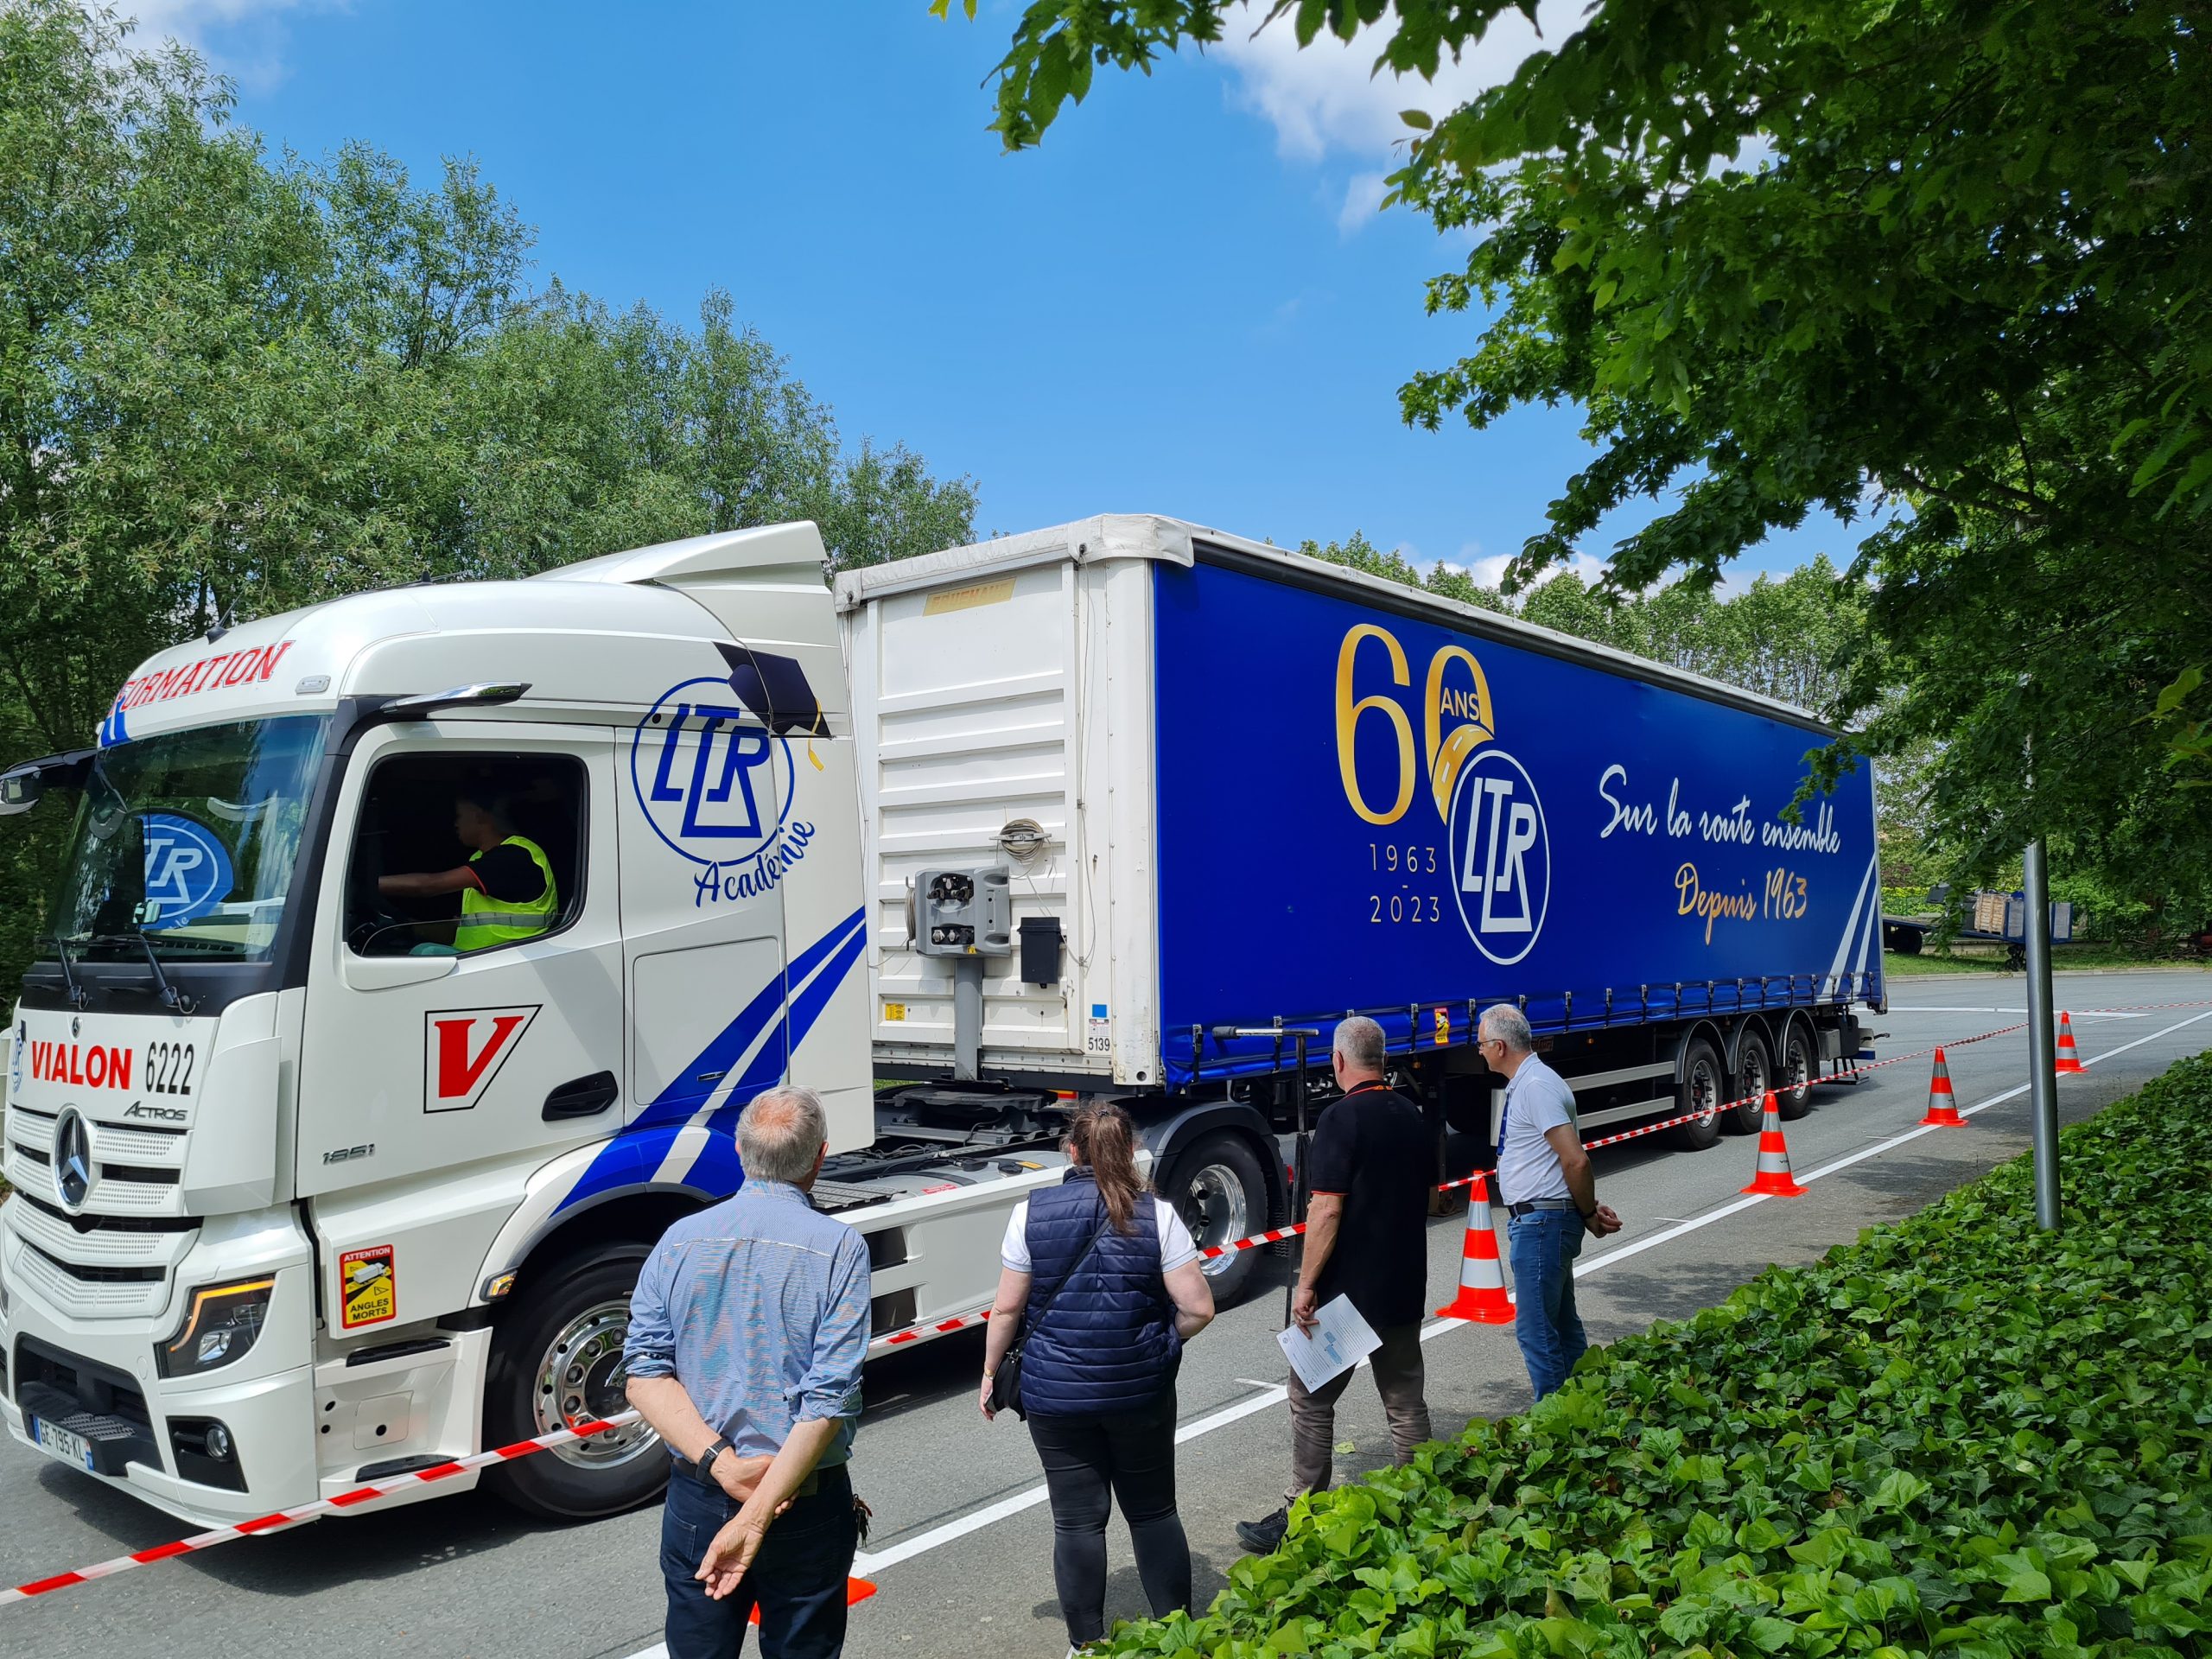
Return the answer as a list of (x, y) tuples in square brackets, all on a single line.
[(1239, 792)]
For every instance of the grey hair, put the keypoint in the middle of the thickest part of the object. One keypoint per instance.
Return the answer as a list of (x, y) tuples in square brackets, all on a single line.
[(1509, 1025), (1359, 1040), (779, 1134)]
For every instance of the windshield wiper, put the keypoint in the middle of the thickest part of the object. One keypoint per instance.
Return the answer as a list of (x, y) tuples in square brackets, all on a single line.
[(78, 997), (171, 997)]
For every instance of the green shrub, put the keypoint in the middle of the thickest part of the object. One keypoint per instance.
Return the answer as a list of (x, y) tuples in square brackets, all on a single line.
[(1958, 1435)]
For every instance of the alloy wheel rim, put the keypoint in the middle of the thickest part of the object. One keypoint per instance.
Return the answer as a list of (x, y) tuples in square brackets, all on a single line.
[(581, 1376), (1214, 1209)]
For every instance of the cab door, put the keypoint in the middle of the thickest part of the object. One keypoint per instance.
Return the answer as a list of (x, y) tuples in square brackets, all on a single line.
[(415, 1057)]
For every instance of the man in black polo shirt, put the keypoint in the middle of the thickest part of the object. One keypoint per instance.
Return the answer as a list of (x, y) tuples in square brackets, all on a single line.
[(1366, 1238)]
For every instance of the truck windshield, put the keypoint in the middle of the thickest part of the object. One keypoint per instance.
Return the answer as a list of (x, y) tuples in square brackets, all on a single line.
[(188, 838)]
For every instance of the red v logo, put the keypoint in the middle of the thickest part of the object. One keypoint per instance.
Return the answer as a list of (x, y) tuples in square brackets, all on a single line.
[(464, 1049), (457, 1072)]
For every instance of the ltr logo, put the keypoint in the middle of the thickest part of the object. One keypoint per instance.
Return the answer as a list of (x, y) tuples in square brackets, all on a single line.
[(1501, 854)]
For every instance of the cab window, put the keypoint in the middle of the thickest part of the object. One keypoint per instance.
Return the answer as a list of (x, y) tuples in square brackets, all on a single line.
[(460, 853)]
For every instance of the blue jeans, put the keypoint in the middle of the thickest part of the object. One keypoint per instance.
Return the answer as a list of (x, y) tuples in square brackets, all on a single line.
[(798, 1577), (1544, 1244)]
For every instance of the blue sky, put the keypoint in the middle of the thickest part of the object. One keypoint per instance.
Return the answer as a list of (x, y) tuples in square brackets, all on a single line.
[(1182, 303)]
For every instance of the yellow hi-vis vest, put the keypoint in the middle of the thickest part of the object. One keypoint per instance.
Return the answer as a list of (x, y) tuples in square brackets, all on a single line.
[(486, 921)]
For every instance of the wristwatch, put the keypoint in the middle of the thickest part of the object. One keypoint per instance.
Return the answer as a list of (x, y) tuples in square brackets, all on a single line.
[(704, 1468)]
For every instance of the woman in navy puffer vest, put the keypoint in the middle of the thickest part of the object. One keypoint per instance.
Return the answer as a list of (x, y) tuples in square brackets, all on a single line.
[(1115, 1275)]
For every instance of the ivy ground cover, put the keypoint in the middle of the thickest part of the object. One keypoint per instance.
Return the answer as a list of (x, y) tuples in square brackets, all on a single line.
[(1958, 1436)]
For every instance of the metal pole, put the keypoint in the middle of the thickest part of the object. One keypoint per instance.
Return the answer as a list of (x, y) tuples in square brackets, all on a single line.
[(967, 1017), (2043, 1077)]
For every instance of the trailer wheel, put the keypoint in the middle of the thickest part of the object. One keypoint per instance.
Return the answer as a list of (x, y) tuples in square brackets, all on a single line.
[(1754, 1077), (1702, 1080), (556, 1359), (1793, 1088), (1218, 1189)]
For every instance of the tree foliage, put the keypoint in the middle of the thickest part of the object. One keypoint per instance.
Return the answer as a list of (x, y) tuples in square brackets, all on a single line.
[(233, 383), (1948, 257)]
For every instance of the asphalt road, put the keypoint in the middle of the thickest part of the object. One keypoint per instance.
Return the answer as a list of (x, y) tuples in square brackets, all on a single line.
[(962, 1550)]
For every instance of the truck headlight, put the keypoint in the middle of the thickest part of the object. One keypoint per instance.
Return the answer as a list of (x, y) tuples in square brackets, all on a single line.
[(220, 1323)]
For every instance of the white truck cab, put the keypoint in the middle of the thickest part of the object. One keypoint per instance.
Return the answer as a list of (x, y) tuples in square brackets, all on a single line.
[(280, 1147)]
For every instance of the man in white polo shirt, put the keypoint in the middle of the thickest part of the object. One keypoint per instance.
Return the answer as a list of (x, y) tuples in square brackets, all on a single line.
[(1550, 1196)]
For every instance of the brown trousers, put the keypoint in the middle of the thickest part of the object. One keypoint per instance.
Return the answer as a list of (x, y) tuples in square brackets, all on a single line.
[(1397, 1368)]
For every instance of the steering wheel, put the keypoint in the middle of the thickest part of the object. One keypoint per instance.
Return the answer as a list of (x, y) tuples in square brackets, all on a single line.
[(382, 933)]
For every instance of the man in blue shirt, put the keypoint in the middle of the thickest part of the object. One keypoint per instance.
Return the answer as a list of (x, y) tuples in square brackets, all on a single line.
[(1550, 1196), (746, 1333)]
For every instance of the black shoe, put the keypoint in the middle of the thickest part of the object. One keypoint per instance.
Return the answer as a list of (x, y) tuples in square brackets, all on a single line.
[(1264, 1536)]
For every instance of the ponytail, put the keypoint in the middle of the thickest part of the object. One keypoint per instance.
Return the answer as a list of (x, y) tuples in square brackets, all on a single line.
[(1103, 1136)]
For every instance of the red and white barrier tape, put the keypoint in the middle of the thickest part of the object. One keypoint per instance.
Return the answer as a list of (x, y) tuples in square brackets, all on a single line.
[(914, 1333), (895, 1340), (918, 1333), (343, 1501), (922, 1332)]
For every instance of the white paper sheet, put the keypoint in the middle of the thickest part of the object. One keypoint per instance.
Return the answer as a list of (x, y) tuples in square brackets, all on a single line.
[(1340, 1340)]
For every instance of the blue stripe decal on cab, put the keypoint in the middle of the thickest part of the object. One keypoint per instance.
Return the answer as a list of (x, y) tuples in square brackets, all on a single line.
[(635, 1156)]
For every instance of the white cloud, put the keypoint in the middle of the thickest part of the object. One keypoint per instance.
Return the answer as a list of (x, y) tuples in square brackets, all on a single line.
[(1489, 569), (1363, 200), (243, 39), (1326, 97)]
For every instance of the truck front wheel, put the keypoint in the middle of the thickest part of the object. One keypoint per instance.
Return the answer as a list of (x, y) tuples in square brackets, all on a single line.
[(1218, 1189), (556, 1359)]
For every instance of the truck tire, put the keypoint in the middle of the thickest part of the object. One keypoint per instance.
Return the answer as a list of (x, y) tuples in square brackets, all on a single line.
[(1703, 1078), (1793, 1082), (1218, 1187), (1754, 1077), (556, 1357)]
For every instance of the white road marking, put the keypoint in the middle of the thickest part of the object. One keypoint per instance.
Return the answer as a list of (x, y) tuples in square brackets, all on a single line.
[(867, 1565)]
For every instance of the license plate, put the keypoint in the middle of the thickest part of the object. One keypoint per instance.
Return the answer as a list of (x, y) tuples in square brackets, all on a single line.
[(62, 1443)]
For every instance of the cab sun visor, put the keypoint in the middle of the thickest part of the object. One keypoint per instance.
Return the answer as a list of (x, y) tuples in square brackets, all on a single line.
[(775, 690)]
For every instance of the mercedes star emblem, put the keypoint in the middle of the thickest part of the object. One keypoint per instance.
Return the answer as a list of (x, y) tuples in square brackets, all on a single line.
[(72, 1158)]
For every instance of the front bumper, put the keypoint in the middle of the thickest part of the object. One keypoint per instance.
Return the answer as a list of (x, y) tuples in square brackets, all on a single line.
[(145, 1434)]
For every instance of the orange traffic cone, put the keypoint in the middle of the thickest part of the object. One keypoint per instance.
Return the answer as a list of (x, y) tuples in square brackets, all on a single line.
[(1482, 1298), (2067, 1060), (1773, 1177), (1943, 1111)]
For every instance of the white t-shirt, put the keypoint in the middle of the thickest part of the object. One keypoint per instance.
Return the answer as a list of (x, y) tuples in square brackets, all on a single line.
[(1536, 1099), (1176, 1247)]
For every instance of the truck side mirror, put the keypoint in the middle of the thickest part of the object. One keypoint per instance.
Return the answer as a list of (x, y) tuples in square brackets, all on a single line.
[(24, 786)]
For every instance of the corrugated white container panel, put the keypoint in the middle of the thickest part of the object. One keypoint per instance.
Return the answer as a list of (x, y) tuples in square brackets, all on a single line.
[(998, 686)]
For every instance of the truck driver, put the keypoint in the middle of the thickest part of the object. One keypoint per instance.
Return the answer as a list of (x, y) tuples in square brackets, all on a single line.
[(505, 887)]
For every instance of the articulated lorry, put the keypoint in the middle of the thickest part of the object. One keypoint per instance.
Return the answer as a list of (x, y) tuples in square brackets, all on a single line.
[(317, 1180)]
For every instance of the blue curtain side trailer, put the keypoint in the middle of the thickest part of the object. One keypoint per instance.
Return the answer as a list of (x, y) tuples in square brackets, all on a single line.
[(1238, 793)]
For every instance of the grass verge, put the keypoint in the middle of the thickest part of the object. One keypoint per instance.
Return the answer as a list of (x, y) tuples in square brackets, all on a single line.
[(1958, 1436)]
